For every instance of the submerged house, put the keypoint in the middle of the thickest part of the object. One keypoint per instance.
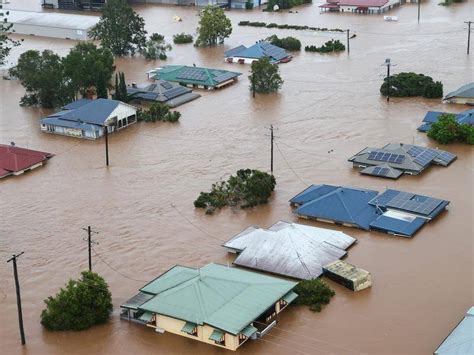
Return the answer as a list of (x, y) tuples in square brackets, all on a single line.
[(359, 6), (261, 49), (195, 77), (16, 161), (464, 95), (88, 118), (171, 94), (215, 304), (466, 117), (289, 249), (233, 4), (394, 212), (461, 340), (395, 159)]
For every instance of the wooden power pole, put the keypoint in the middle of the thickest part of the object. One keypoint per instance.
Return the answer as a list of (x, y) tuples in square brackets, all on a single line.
[(18, 296)]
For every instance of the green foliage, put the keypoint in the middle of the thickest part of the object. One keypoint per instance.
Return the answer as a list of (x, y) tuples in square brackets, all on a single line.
[(120, 28), (447, 130), (156, 47), (42, 75), (286, 4), (80, 305), (101, 88), (449, 2), (120, 92), (313, 293), (288, 27), (249, 5), (247, 188), (265, 76), (88, 66), (329, 46), (6, 43), (288, 43), (214, 26), (159, 112), (182, 38), (412, 84)]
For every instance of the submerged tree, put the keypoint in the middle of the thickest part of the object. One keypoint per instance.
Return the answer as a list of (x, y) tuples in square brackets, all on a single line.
[(313, 293), (120, 28), (412, 84), (448, 130), (156, 47), (80, 305), (6, 43), (265, 76), (214, 26)]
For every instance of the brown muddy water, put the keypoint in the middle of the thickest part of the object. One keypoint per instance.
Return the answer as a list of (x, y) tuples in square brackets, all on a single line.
[(421, 287)]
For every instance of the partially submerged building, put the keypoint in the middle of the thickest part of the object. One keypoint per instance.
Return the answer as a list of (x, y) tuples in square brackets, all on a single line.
[(261, 49), (233, 4), (73, 4), (461, 340), (466, 117), (394, 212), (348, 275), (50, 24), (195, 77), (16, 161), (215, 304), (359, 6), (464, 95), (289, 249), (165, 92), (88, 118), (395, 159)]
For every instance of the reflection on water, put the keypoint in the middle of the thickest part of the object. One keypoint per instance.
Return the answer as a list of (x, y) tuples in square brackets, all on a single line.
[(329, 103)]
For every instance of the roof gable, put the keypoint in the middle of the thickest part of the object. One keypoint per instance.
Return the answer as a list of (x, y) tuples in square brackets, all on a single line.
[(13, 159)]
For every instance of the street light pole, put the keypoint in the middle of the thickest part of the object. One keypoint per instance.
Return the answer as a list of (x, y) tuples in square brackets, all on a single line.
[(106, 133)]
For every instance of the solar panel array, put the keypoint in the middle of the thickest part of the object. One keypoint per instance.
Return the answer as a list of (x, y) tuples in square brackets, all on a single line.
[(224, 77), (388, 157), (195, 74), (273, 51), (415, 151), (177, 91), (166, 85), (378, 171), (446, 157), (426, 157), (422, 205)]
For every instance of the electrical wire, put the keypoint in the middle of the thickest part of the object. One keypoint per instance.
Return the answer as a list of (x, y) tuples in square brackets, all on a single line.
[(289, 166), (114, 269)]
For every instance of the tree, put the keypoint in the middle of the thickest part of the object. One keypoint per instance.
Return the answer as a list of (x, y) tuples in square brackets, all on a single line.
[(160, 112), (89, 67), (101, 87), (289, 43), (156, 47), (6, 43), (120, 28), (80, 305), (447, 130), (120, 92), (42, 75), (412, 84), (265, 76), (182, 38), (330, 46), (313, 293), (214, 26)]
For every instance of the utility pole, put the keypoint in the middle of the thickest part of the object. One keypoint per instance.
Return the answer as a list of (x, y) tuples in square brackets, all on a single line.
[(348, 45), (253, 85), (271, 150), (18, 297), (419, 4), (90, 242), (106, 132), (468, 35), (388, 64)]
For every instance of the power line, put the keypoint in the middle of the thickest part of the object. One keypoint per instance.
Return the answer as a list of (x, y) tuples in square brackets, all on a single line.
[(284, 346), (289, 166)]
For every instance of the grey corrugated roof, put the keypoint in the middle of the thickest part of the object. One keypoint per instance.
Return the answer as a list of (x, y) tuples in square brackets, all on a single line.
[(391, 174), (137, 300), (289, 249), (163, 91), (51, 19), (461, 339)]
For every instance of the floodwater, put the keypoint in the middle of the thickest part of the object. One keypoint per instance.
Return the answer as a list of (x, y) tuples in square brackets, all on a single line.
[(142, 205)]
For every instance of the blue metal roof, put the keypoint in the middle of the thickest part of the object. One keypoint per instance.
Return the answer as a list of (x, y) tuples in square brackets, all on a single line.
[(311, 193), (466, 117), (53, 121), (87, 111), (76, 104), (257, 51), (397, 226)]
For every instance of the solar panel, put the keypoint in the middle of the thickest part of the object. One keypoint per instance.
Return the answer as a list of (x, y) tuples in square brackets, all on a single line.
[(415, 151), (177, 91), (379, 171), (388, 157), (446, 157), (224, 77), (426, 157), (422, 205), (166, 85)]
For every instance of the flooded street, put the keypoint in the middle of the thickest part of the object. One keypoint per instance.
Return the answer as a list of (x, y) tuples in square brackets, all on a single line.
[(142, 205)]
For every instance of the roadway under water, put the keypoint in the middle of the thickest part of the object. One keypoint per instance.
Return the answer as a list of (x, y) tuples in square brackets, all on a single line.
[(143, 203)]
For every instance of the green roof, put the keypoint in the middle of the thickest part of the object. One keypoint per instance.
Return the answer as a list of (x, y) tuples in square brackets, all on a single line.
[(249, 330), (220, 296), (146, 317), (216, 335), (189, 327), (194, 75), (290, 297)]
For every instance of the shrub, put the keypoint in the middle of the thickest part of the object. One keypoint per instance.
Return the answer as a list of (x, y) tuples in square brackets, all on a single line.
[(288, 43), (159, 112), (313, 293), (182, 38), (82, 304), (447, 130), (247, 188), (265, 76), (286, 4), (156, 47), (412, 84), (329, 46), (249, 5), (243, 23), (271, 25)]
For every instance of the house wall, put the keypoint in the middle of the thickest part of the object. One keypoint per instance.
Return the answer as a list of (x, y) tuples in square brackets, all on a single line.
[(246, 60), (174, 326), (461, 100), (52, 32)]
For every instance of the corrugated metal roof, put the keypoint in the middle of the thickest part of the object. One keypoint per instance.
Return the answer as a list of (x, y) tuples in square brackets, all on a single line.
[(259, 50), (401, 227), (289, 249), (464, 91), (52, 19), (163, 91), (461, 340), (466, 117), (14, 159), (192, 75), (222, 297), (137, 300)]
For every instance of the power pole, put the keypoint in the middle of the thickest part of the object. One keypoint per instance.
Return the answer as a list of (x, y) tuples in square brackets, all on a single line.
[(90, 242), (253, 85), (271, 150), (468, 34), (106, 132), (348, 45), (18, 297), (388, 64), (419, 4)]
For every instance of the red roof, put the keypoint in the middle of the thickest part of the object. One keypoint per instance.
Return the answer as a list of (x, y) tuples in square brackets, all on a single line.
[(14, 159), (359, 3)]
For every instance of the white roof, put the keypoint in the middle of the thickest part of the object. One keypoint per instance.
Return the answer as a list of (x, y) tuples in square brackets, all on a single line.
[(49, 19)]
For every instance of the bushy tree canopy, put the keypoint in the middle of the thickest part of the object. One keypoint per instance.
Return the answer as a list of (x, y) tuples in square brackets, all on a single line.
[(120, 28), (159, 112), (6, 43), (265, 76), (447, 130), (330, 46), (291, 44), (412, 84), (313, 293), (214, 26), (182, 38), (156, 47), (80, 305)]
